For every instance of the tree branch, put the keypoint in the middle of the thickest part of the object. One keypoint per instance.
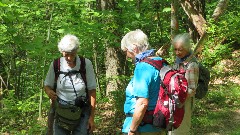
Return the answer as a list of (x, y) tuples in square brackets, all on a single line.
[(197, 19), (221, 7)]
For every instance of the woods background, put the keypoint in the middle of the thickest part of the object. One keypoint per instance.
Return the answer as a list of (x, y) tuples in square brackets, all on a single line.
[(31, 29)]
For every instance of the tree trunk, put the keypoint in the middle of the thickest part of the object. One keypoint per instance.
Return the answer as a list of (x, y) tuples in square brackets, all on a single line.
[(113, 61), (2, 87), (174, 28), (95, 55), (174, 20), (195, 9), (194, 15), (221, 7), (199, 5), (2, 81)]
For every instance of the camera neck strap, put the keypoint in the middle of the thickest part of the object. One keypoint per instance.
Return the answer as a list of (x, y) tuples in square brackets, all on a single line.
[(69, 74), (82, 71)]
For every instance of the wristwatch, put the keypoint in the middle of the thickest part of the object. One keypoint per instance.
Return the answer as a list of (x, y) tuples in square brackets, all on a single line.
[(133, 131)]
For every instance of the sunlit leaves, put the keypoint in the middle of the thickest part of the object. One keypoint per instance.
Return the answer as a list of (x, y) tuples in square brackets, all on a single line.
[(60, 30), (137, 15), (2, 4), (166, 9)]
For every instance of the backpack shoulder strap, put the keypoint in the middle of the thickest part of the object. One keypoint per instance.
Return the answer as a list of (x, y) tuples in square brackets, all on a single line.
[(56, 68), (83, 72), (158, 64), (82, 69)]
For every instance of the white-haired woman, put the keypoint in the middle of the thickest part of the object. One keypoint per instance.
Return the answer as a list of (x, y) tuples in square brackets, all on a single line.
[(184, 60), (71, 87), (142, 90)]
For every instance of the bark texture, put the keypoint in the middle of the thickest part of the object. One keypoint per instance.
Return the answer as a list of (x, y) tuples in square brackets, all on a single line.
[(194, 15), (114, 56), (221, 7)]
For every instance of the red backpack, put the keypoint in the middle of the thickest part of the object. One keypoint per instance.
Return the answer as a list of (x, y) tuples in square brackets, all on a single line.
[(169, 111)]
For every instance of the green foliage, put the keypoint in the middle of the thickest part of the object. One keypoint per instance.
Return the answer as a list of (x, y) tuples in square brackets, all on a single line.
[(216, 113), (220, 52), (20, 117), (118, 100), (30, 31), (111, 113), (223, 33)]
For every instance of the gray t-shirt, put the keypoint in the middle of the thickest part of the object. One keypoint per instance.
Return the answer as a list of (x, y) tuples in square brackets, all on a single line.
[(65, 89)]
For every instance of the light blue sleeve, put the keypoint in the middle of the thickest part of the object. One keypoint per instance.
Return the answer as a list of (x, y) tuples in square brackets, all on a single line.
[(141, 80)]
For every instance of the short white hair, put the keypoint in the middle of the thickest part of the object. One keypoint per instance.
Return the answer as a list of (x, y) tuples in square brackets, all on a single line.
[(68, 43), (184, 39), (137, 38)]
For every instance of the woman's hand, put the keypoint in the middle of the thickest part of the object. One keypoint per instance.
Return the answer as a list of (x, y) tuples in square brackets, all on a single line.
[(130, 133), (192, 93), (51, 94)]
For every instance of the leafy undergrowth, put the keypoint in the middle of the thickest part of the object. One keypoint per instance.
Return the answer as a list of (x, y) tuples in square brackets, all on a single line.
[(219, 112), (108, 122), (109, 115)]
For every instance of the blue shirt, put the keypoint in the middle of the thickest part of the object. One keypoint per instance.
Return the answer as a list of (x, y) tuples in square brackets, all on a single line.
[(145, 83)]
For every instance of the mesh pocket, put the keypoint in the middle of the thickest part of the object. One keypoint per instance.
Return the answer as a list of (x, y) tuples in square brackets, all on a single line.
[(159, 120)]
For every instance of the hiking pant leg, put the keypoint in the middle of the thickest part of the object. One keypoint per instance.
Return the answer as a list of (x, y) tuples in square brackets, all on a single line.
[(82, 128), (59, 131), (184, 128), (50, 120)]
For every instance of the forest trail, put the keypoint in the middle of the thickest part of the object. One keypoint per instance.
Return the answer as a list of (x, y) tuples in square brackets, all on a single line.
[(229, 74), (230, 67)]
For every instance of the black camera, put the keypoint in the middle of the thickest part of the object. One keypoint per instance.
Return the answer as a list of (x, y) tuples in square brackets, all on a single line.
[(81, 101)]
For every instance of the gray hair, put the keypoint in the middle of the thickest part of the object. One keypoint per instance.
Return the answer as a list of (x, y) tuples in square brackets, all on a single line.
[(137, 38), (68, 43), (184, 39)]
